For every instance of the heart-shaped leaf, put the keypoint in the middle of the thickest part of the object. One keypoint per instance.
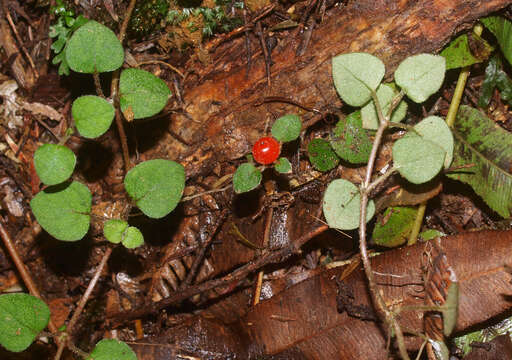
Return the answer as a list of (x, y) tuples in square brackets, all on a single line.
[(54, 163), (418, 160), (356, 75), (421, 76), (434, 128), (283, 166), (93, 115), (22, 318), (351, 142), (321, 155), (132, 238), (341, 205), (287, 128), (94, 48), (142, 94), (114, 229), (156, 186), (63, 210), (247, 177)]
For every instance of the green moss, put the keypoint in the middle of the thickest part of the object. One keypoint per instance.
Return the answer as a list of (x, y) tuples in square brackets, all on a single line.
[(147, 16)]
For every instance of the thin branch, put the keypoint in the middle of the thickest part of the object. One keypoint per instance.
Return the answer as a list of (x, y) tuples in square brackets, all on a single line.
[(20, 266), (83, 301), (114, 93), (233, 277)]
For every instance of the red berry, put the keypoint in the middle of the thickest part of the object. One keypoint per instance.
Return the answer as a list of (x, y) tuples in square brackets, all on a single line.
[(266, 150)]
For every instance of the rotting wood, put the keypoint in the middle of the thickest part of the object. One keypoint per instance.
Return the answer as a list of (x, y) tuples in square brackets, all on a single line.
[(220, 97)]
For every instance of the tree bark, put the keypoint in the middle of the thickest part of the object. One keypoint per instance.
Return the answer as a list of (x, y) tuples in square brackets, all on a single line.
[(220, 119)]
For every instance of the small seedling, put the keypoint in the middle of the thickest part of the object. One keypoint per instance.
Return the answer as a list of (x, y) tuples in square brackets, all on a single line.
[(266, 151)]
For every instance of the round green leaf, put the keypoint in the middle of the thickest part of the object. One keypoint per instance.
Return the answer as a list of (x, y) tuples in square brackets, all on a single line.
[(22, 318), (385, 94), (142, 93), (321, 155), (287, 128), (341, 205), (114, 229), (63, 210), (421, 76), (132, 238), (93, 115), (416, 159), (351, 142), (434, 128), (156, 186), (108, 349), (54, 163), (355, 75), (283, 166), (94, 48), (247, 177)]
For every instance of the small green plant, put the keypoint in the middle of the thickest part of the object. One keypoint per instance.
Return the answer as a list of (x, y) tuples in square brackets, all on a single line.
[(66, 24), (63, 208), (418, 157), (25, 316), (266, 151)]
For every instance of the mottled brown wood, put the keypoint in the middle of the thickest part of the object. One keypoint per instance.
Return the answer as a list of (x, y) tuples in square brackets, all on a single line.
[(220, 98)]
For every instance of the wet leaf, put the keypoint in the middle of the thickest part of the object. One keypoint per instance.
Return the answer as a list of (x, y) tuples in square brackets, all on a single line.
[(488, 147)]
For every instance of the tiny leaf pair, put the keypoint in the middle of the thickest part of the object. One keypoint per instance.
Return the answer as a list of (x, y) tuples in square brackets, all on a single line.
[(266, 151)]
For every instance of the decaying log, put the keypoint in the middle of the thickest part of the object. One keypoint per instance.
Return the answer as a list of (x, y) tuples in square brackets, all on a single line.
[(221, 120)]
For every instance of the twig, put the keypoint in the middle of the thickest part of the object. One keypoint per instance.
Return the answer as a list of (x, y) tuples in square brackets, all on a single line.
[(266, 56), (266, 238), (188, 198), (234, 276), (83, 301), (114, 92), (162, 63), (381, 307), (97, 84), (202, 251), (268, 99), (20, 41), (20, 266)]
